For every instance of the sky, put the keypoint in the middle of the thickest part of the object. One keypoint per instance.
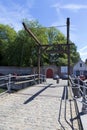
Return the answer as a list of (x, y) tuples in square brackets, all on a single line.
[(49, 13)]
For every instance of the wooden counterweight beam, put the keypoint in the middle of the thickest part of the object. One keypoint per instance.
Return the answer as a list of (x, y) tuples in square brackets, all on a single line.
[(39, 46), (31, 34)]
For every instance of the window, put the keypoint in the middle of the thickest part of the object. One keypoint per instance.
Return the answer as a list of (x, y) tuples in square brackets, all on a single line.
[(80, 64)]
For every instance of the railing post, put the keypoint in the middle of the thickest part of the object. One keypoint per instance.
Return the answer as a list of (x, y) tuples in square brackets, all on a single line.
[(34, 78), (84, 100), (9, 83), (78, 85), (68, 53)]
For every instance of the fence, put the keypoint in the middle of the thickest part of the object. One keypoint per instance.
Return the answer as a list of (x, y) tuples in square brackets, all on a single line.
[(13, 82)]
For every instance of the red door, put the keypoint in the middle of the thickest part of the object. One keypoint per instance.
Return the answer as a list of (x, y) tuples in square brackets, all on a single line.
[(49, 73)]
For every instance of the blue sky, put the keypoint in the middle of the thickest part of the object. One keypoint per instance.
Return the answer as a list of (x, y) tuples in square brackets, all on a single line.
[(49, 13)]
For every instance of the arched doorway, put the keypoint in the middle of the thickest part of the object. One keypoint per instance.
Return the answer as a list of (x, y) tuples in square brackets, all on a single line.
[(49, 73)]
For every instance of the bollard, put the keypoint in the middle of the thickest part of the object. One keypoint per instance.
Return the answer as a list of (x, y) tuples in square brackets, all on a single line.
[(76, 88), (76, 91), (84, 106), (57, 81)]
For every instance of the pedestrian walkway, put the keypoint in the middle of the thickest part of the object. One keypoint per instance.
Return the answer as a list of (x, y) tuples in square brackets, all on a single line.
[(40, 107)]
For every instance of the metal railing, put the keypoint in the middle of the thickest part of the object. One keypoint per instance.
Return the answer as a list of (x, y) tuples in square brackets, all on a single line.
[(79, 89)]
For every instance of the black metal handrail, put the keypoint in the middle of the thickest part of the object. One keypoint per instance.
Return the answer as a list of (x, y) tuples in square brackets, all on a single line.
[(79, 89)]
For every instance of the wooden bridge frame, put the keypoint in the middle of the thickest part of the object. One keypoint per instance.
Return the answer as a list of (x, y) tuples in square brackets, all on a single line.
[(60, 47)]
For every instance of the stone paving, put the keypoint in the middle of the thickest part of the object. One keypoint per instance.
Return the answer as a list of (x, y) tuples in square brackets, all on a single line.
[(41, 107)]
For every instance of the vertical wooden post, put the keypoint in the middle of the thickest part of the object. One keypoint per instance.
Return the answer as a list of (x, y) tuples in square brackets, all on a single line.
[(68, 46), (39, 55)]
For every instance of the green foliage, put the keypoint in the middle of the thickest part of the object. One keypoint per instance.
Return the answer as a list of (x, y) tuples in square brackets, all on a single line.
[(2, 90), (7, 36), (19, 48), (74, 55)]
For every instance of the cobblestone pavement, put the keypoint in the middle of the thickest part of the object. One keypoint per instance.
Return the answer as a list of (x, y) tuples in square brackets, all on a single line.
[(41, 107)]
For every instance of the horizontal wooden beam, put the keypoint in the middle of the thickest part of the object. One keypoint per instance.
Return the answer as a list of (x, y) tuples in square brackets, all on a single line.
[(58, 48), (57, 45), (57, 51)]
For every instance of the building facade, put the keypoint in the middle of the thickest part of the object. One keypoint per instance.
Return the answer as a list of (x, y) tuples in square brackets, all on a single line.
[(80, 68)]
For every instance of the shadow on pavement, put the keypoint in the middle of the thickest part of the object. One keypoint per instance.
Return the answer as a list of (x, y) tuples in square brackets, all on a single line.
[(63, 103), (36, 94), (78, 116)]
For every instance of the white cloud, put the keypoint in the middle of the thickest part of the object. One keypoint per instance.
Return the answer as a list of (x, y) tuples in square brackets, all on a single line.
[(14, 14), (72, 7), (83, 49), (83, 52)]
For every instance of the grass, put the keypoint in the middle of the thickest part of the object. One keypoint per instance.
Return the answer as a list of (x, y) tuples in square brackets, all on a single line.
[(2, 90)]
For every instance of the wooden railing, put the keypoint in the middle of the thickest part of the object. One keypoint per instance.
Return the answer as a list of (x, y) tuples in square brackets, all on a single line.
[(18, 82)]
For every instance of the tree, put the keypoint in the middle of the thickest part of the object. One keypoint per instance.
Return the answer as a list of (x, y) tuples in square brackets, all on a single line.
[(7, 36), (56, 37), (19, 48), (74, 55)]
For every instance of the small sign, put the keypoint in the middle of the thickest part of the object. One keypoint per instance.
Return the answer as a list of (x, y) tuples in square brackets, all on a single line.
[(64, 69)]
